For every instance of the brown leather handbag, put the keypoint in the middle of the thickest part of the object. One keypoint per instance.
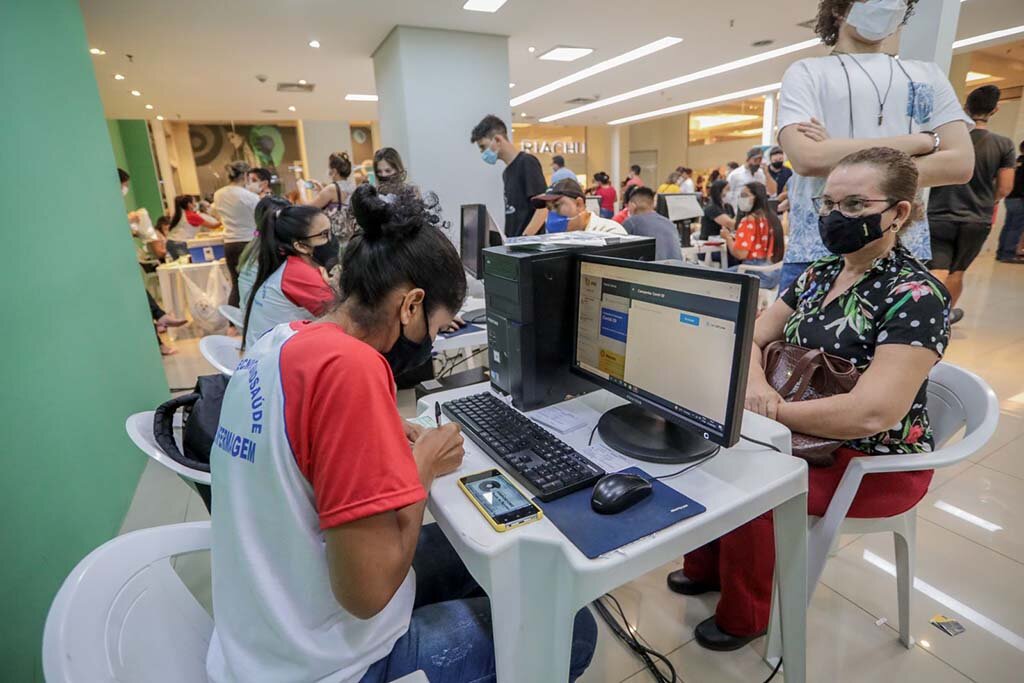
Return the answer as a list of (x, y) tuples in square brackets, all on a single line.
[(801, 374)]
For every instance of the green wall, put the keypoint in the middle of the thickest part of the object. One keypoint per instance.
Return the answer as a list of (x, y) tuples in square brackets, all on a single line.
[(133, 152), (77, 354)]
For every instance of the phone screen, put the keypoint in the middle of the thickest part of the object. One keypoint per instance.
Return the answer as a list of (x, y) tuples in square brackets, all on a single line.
[(503, 501)]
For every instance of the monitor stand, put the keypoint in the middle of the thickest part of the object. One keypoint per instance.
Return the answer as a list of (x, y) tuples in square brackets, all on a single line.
[(641, 434)]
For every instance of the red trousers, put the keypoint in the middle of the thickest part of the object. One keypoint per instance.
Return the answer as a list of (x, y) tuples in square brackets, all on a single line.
[(742, 562)]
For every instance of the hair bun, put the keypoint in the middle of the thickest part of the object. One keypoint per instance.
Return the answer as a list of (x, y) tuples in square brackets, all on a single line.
[(395, 217)]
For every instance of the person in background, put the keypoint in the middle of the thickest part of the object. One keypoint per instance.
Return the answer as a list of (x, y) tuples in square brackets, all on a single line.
[(671, 184), (235, 206), (751, 172), (646, 222), (960, 216), (778, 171), (339, 187), (717, 214), (390, 172), (606, 192), (296, 252), (158, 246), (566, 199), (700, 185), (331, 574), (186, 224), (875, 305), (633, 177), (559, 171), (685, 182), (859, 97), (715, 174), (1011, 237), (259, 182), (729, 168), (759, 239), (623, 214), (523, 177)]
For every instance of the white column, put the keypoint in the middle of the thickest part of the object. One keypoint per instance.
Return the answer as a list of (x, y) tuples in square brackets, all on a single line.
[(324, 138), (930, 33), (434, 87), (768, 120), (619, 155)]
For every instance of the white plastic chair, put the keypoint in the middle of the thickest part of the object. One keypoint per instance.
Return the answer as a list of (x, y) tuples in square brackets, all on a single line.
[(765, 297), (233, 314), (956, 398), (140, 429), (221, 351), (123, 614)]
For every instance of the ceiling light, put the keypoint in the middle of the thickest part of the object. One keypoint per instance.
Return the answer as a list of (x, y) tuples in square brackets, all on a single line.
[(511, 85), (136, 93), (697, 104), (748, 132), (351, 97), (716, 120), (522, 114), (97, 51), (985, 37), (483, 5), (314, 43), (624, 58), (302, 81), (291, 108), (565, 54), (973, 76), (159, 117), (149, 106), (688, 78), (531, 49), (118, 77)]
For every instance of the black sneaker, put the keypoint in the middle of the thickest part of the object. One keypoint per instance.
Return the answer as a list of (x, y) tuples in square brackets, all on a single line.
[(956, 315), (711, 637), (678, 582)]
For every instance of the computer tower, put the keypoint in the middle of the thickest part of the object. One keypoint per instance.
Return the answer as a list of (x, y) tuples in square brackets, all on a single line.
[(529, 296)]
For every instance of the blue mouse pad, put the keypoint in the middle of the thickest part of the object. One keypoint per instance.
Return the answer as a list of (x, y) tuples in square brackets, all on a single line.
[(596, 534), (470, 327)]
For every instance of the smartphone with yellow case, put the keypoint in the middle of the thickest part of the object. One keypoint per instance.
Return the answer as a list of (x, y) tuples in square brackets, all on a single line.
[(499, 500)]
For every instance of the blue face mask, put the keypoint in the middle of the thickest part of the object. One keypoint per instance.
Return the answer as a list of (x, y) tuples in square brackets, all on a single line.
[(556, 222), (489, 156)]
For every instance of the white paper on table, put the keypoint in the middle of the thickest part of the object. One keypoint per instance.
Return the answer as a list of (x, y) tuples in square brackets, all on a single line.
[(426, 420), (605, 458), (559, 419)]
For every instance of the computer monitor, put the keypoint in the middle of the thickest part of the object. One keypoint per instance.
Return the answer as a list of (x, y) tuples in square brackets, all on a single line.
[(593, 204), (473, 238), (672, 340), (682, 206)]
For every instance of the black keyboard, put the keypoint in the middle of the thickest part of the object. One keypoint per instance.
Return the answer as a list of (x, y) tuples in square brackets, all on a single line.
[(547, 466)]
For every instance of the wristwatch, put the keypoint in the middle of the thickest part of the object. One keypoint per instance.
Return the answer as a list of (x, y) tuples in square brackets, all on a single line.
[(936, 141)]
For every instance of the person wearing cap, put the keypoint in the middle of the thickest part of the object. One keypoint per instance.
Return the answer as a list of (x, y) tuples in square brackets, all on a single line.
[(566, 199), (751, 172), (235, 207), (559, 171)]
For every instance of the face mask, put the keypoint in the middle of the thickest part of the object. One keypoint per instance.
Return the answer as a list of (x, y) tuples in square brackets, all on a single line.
[(745, 204), (407, 354), (845, 234), (124, 190), (489, 156), (329, 253), (777, 165), (253, 187), (877, 19), (556, 222)]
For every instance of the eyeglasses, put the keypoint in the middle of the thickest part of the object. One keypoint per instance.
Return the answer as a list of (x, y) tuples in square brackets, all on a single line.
[(326, 234), (848, 206)]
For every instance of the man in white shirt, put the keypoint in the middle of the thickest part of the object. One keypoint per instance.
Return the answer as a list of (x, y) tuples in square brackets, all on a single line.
[(751, 172), (566, 198), (859, 97), (686, 185), (235, 206)]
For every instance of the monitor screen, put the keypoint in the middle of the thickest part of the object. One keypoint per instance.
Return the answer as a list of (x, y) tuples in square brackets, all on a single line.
[(681, 207), (594, 204), (473, 238), (673, 339)]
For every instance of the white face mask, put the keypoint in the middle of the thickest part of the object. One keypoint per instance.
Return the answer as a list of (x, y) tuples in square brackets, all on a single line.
[(877, 19), (745, 204), (124, 190), (253, 187)]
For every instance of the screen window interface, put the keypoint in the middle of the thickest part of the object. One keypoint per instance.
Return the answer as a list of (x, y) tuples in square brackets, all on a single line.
[(667, 338), (499, 497)]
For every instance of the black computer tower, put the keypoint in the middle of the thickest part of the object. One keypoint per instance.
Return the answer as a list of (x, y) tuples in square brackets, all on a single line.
[(530, 307)]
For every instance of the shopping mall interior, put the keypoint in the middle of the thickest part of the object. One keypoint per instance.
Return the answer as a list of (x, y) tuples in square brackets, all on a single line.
[(111, 562)]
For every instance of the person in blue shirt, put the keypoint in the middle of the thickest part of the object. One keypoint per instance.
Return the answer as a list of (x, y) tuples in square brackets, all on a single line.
[(559, 171)]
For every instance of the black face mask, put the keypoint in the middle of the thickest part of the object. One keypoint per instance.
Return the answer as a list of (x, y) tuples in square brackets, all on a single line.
[(407, 354), (843, 234), (329, 253), (777, 165)]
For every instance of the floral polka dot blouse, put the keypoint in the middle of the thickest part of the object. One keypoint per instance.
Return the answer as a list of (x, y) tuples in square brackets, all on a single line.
[(895, 302)]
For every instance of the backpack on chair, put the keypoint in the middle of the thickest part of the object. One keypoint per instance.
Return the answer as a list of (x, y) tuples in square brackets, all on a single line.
[(199, 426)]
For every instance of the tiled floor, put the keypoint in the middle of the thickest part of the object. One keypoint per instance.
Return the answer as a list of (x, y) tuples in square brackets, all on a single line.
[(969, 566)]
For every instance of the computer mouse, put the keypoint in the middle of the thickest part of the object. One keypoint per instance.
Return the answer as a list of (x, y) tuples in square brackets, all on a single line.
[(617, 492)]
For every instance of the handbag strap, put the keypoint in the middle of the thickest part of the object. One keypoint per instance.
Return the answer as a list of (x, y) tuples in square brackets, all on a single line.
[(803, 373)]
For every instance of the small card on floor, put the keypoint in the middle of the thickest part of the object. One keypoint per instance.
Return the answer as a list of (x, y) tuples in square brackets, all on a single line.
[(951, 627)]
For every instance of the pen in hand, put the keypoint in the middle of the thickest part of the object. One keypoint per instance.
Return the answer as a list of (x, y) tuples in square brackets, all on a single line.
[(437, 413)]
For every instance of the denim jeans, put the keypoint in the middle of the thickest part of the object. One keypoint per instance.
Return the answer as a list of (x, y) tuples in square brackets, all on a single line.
[(449, 636), (790, 272), (1009, 238), (768, 280)]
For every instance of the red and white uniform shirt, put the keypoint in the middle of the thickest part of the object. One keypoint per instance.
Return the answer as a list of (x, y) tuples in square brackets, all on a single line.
[(295, 291)]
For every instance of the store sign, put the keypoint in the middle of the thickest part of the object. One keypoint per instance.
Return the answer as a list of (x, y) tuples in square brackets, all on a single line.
[(549, 147)]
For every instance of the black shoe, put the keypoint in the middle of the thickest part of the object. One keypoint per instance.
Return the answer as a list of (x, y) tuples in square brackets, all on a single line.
[(711, 637), (679, 583), (955, 316)]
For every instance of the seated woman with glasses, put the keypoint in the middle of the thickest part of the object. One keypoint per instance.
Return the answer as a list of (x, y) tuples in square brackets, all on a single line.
[(296, 252), (875, 305)]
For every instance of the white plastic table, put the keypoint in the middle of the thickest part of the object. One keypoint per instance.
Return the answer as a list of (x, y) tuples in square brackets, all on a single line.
[(537, 579)]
